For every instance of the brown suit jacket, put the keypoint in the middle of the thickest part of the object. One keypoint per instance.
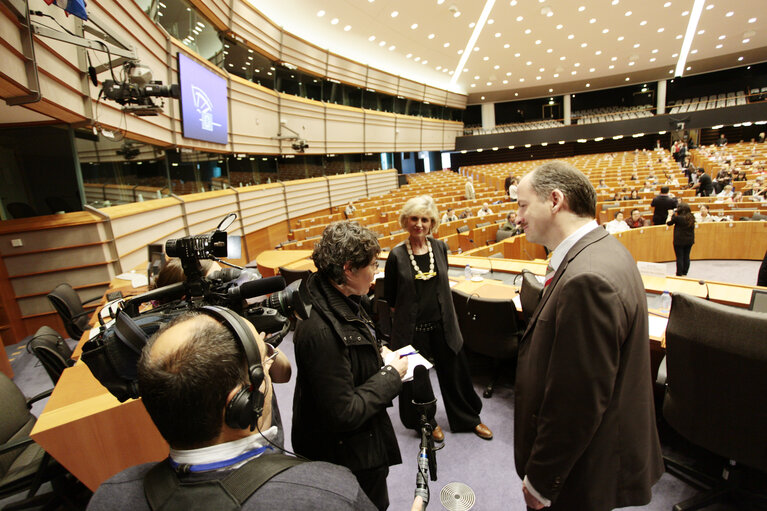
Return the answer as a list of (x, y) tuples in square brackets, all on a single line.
[(584, 419)]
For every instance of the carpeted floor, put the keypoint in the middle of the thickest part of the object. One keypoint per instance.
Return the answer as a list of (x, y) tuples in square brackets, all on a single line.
[(487, 467)]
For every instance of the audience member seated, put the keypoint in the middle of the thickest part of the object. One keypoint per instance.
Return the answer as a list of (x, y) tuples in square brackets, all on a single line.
[(511, 223), (466, 214), (703, 216), (636, 219), (671, 180), (601, 184), (616, 196), (721, 141), (704, 186), (741, 176), (449, 216), (512, 189), (349, 211), (737, 197), (726, 192), (484, 210), (617, 224), (634, 195), (195, 377)]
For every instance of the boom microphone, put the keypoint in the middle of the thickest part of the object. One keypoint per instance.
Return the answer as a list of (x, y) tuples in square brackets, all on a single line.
[(253, 288), (423, 394), (225, 274)]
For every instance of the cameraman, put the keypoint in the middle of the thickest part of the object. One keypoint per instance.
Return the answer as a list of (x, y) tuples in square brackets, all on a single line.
[(343, 388), (188, 374)]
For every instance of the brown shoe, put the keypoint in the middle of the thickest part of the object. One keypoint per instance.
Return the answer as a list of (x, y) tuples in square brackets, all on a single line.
[(483, 431), (439, 436)]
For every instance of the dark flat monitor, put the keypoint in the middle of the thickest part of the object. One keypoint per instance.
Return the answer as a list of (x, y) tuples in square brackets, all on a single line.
[(758, 301), (156, 258)]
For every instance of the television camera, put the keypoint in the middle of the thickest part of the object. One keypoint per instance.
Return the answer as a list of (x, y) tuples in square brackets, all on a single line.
[(113, 353), (136, 90)]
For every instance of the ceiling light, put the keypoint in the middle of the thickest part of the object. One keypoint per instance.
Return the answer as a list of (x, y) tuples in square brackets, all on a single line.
[(408, 55), (508, 73), (527, 31), (559, 27), (581, 8), (667, 4), (577, 64), (556, 75), (490, 21), (497, 34), (551, 90), (473, 84), (334, 21), (507, 46), (382, 44), (320, 13), (485, 58), (347, 28), (439, 68), (515, 94), (746, 40), (573, 72), (529, 63), (516, 54), (521, 80), (598, 52), (440, 2), (473, 38), (456, 13), (636, 45), (719, 46), (653, 59), (752, 20), (701, 32), (694, 51), (571, 36), (417, 59), (685, 13), (394, 14), (496, 67), (679, 36), (505, 82), (631, 63), (613, 58), (472, 24), (627, 78), (489, 84), (621, 38), (611, 66), (697, 9), (431, 36), (460, 52), (740, 59), (372, 38), (583, 45), (562, 57), (541, 70), (593, 20), (550, 50), (605, 30), (513, 3), (520, 18), (392, 48), (446, 45), (628, 13), (414, 26), (537, 41)]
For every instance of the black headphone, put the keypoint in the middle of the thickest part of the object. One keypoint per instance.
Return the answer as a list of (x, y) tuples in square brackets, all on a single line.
[(245, 408)]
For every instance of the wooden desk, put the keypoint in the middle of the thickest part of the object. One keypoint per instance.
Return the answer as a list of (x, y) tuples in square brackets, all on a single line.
[(269, 261), (91, 433)]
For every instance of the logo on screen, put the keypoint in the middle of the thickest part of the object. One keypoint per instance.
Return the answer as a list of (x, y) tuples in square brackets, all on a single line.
[(204, 107)]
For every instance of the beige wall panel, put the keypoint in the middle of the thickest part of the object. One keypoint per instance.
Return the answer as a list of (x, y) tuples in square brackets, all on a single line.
[(346, 71), (409, 133), (379, 131), (151, 234), (381, 181), (434, 95), (220, 9), (306, 117), (254, 119), (169, 212), (345, 132), (45, 282), (250, 25), (455, 100), (62, 95), (451, 132), (306, 196), (13, 66), (205, 215), (49, 238), (57, 259), (431, 135), (262, 206), (304, 55), (411, 89), (347, 188), (382, 81)]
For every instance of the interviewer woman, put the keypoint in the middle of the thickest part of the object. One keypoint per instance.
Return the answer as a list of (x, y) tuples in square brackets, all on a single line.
[(343, 388), (684, 237), (417, 289)]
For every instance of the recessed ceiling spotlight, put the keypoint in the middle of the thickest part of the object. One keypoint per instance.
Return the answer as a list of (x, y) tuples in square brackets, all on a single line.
[(661, 29), (490, 21), (573, 72), (431, 36), (394, 14), (549, 50), (507, 46), (537, 77), (473, 84), (592, 69), (372, 38), (583, 45), (694, 51), (476, 48), (678, 36), (688, 68), (521, 80), (562, 57), (440, 2), (613, 58), (721, 37), (556, 75), (516, 54), (643, 23), (476, 77), (701, 32), (667, 4), (508, 73), (621, 38), (482, 98), (551, 90), (541, 70), (559, 27), (718, 46), (497, 34), (446, 45), (571, 36), (505, 82), (485, 58), (439, 68), (653, 59), (581, 8), (593, 20), (392, 48), (598, 52), (489, 84), (709, 7), (628, 13), (417, 59), (588, 85), (632, 63), (496, 66), (408, 55), (382, 43), (729, 14), (746, 40), (347, 28), (513, 3), (460, 52), (320, 13), (740, 59), (537, 41), (472, 25), (605, 30), (636, 45), (675, 55), (527, 31), (520, 18), (611, 66), (334, 21), (414, 26), (529, 63), (685, 13), (752, 20), (627, 78), (577, 64), (515, 94)]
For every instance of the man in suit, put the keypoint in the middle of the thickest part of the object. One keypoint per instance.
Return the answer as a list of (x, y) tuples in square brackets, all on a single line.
[(662, 204), (584, 419)]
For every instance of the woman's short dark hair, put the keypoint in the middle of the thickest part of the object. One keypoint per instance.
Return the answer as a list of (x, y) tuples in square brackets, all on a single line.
[(684, 213), (575, 186), (185, 391), (341, 243)]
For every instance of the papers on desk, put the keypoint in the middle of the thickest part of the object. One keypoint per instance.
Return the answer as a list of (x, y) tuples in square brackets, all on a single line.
[(657, 326), (136, 279), (413, 359)]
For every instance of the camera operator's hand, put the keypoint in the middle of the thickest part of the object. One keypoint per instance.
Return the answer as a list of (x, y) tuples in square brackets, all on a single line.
[(418, 504), (400, 364)]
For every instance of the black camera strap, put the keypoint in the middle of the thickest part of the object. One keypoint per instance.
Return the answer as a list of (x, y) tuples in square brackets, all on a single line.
[(130, 333), (165, 492)]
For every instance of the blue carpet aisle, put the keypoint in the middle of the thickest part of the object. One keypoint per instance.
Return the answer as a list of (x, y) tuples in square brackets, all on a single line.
[(485, 466)]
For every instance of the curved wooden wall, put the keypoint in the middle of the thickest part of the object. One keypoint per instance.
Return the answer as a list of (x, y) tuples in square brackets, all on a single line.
[(88, 249), (255, 111)]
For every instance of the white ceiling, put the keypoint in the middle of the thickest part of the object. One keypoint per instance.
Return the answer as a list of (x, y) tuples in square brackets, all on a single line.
[(596, 42)]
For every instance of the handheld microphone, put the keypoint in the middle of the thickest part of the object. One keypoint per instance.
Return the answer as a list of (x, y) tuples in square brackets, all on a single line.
[(704, 283), (421, 477), (253, 288), (423, 394)]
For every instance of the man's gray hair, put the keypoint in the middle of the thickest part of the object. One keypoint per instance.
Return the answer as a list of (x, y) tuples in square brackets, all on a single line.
[(579, 193)]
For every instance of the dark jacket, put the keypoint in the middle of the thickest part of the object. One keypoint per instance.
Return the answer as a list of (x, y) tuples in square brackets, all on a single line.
[(684, 234), (339, 405), (399, 289), (662, 203), (584, 420), (706, 186)]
